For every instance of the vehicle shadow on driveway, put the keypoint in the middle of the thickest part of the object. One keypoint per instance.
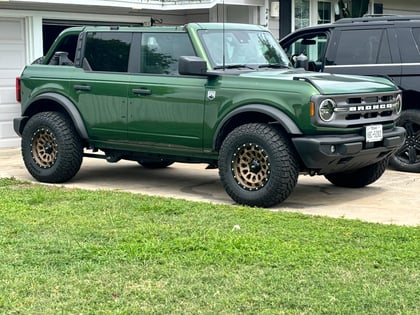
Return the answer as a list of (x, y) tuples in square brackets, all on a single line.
[(194, 182)]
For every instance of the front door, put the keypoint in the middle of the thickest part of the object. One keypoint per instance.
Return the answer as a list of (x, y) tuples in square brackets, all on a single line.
[(165, 109)]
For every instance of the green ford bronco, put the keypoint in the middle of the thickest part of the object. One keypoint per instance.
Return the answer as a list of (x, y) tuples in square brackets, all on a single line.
[(222, 94)]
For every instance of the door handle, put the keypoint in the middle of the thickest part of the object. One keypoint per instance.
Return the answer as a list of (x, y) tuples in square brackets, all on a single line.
[(142, 91), (82, 87)]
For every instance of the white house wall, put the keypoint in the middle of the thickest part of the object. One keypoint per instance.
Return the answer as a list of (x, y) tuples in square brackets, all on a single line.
[(406, 7)]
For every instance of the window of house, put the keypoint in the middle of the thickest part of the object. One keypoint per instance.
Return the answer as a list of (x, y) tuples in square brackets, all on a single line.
[(324, 12), (108, 51), (301, 13)]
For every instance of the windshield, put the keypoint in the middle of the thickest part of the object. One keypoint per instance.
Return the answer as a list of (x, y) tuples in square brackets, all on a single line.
[(242, 47)]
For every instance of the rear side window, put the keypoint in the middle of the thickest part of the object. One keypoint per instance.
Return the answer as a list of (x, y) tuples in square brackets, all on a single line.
[(108, 51), (416, 35), (160, 52), (362, 47)]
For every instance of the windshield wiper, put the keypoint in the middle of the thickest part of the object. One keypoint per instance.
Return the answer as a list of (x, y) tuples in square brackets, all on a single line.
[(238, 66), (274, 66)]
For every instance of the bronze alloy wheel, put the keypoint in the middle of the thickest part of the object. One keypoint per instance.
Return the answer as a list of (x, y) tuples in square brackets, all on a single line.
[(52, 150), (44, 148), (251, 166), (257, 165)]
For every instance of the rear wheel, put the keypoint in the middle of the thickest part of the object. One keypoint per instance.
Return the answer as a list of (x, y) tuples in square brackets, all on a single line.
[(51, 148), (358, 178), (407, 158), (257, 165)]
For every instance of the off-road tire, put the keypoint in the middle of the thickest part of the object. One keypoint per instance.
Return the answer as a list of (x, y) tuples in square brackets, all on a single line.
[(407, 158), (51, 148), (258, 165), (360, 177)]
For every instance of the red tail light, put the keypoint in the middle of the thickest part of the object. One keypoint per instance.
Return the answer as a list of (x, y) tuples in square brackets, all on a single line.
[(18, 98)]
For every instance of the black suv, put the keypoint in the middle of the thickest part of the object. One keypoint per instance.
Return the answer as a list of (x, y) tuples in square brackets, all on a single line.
[(372, 45)]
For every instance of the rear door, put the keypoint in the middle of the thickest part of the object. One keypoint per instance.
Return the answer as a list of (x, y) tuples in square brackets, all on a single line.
[(100, 87), (409, 38)]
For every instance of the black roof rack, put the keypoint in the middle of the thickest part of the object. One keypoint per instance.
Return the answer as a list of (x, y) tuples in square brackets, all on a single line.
[(379, 18)]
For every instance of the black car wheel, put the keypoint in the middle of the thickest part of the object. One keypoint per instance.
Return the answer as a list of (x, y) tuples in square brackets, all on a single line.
[(360, 177), (407, 158)]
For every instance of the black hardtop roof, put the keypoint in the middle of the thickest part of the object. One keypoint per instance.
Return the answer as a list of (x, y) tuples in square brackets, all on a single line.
[(379, 18), (367, 19)]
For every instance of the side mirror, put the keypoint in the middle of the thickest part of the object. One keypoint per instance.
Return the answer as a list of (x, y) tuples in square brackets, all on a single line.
[(192, 65)]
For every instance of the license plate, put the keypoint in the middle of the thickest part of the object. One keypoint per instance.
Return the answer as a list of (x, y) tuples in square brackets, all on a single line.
[(374, 133)]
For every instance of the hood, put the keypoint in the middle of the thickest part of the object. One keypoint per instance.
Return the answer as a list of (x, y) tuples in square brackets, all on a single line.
[(329, 84)]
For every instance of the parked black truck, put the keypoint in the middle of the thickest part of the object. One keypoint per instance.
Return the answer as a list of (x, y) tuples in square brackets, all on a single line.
[(386, 46)]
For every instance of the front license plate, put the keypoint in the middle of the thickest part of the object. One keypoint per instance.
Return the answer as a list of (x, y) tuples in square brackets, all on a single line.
[(374, 133)]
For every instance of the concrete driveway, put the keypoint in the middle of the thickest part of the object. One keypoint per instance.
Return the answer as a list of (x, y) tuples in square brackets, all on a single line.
[(394, 199)]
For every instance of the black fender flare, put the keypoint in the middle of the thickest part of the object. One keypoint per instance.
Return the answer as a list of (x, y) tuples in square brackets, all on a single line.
[(68, 106), (278, 116)]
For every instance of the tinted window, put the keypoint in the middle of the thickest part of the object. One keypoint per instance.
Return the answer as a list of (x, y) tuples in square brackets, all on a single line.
[(362, 47), (108, 51), (384, 55), (160, 52), (416, 53)]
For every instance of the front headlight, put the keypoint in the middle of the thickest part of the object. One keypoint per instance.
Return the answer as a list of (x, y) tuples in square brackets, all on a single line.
[(326, 109), (398, 104)]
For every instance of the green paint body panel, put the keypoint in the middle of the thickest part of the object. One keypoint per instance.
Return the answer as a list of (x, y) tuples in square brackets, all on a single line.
[(184, 115)]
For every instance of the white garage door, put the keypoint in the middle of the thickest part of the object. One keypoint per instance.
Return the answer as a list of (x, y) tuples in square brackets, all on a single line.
[(12, 61)]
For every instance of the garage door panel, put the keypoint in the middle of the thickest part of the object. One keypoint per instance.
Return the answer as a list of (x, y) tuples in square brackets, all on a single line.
[(13, 30), (8, 112), (12, 57), (7, 96), (12, 61)]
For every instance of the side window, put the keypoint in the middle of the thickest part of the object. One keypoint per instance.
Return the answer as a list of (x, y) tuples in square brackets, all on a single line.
[(384, 55), (107, 51), (415, 56), (65, 51), (160, 52), (362, 47), (311, 45)]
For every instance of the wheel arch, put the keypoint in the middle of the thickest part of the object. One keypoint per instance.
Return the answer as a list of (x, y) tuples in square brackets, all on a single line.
[(56, 102), (253, 113)]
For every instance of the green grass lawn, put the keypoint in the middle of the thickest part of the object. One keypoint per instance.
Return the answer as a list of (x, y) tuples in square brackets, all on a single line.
[(98, 252)]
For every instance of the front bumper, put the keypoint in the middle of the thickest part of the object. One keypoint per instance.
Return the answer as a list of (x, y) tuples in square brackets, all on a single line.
[(328, 154)]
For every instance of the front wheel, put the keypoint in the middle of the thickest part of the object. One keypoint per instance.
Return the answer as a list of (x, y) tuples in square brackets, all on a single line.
[(407, 158), (51, 148), (257, 165), (360, 177)]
